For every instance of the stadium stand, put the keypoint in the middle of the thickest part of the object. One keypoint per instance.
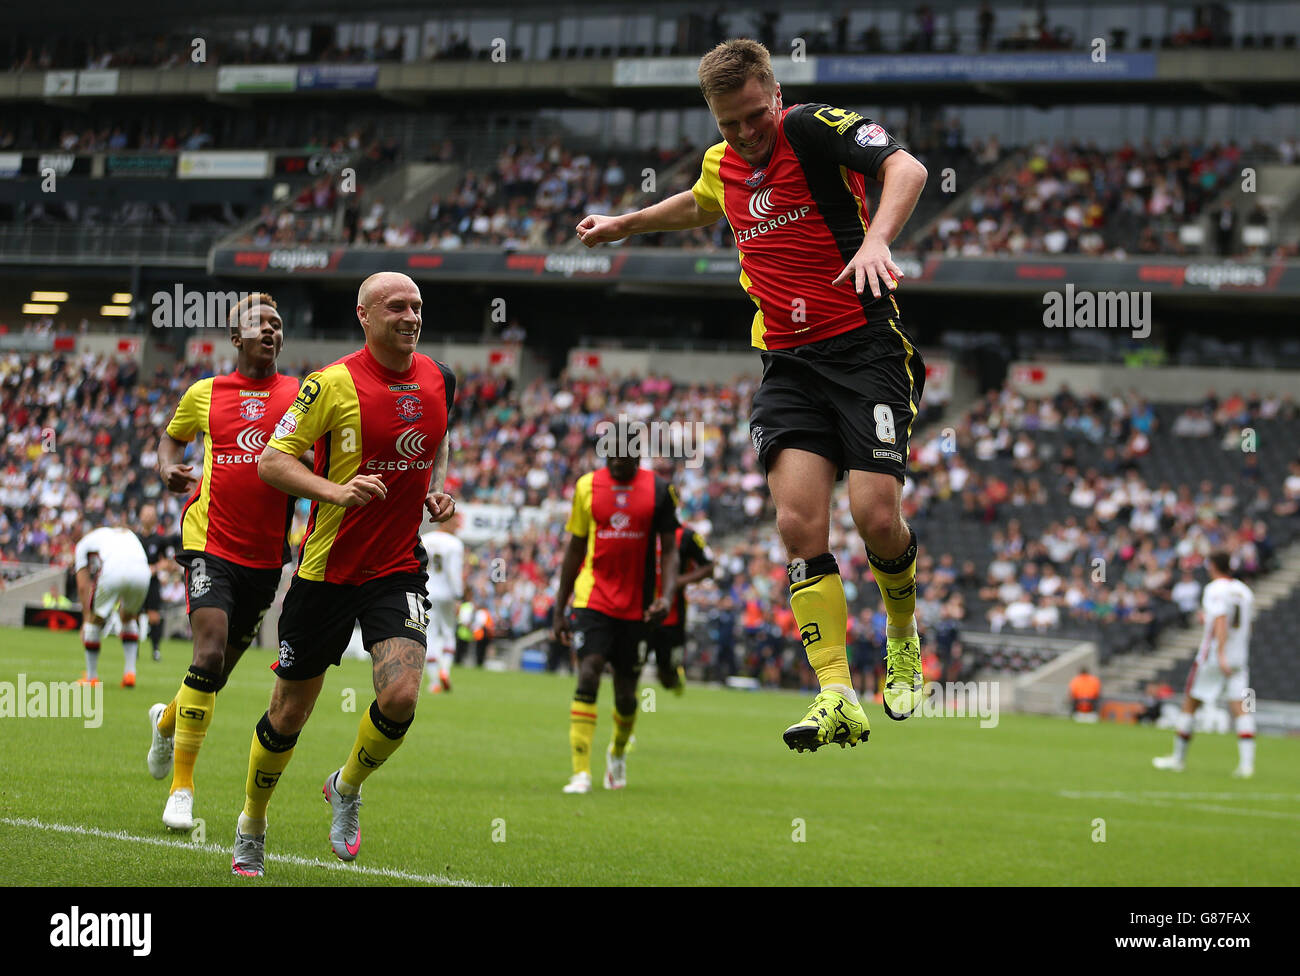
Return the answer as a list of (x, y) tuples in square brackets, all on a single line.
[(1016, 498)]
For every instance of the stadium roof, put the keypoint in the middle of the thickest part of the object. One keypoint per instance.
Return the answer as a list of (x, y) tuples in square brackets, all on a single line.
[(163, 12)]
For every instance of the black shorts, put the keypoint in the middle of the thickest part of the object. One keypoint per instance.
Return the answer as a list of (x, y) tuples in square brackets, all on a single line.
[(850, 398), (243, 594), (617, 641), (153, 599), (317, 619), (666, 642)]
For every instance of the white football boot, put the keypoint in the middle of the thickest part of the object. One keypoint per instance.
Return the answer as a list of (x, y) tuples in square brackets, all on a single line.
[(160, 746), (578, 783), (178, 814), (615, 770)]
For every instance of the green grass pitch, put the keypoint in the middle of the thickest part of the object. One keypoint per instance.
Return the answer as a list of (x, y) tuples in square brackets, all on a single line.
[(713, 795)]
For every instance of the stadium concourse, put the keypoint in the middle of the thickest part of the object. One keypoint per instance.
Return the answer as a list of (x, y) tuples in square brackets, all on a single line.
[(1018, 500)]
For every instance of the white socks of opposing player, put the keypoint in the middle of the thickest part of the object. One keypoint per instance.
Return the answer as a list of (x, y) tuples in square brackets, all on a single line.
[(130, 648), (90, 640), (1245, 741), (437, 662), (1183, 726)]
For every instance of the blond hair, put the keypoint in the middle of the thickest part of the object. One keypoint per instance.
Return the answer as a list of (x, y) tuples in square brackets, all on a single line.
[(730, 65)]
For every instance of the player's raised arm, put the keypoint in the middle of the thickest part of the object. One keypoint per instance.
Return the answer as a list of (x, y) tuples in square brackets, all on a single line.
[(679, 212), (903, 178)]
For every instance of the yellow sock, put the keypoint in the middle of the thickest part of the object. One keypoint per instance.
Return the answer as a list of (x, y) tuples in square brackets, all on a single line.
[(193, 715), (582, 729), (267, 759), (377, 738), (822, 613), (622, 732), (897, 581), (167, 720)]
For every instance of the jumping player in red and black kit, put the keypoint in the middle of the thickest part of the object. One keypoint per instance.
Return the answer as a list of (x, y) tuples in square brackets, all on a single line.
[(842, 381), (668, 639), (378, 420), (609, 570), (234, 535)]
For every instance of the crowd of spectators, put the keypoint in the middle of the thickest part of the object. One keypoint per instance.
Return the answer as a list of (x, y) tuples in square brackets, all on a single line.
[(1056, 199), (1079, 199), (532, 197), (171, 136), (1132, 548), (535, 193), (78, 442)]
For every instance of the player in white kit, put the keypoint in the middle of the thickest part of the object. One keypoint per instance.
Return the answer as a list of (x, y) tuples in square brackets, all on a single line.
[(1222, 666), (112, 572), (446, 590)]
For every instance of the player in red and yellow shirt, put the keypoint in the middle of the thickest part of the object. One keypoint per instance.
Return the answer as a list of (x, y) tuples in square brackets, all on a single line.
[(378, 421), (842, 381), (234, 535), (609, 571), (668, 638)]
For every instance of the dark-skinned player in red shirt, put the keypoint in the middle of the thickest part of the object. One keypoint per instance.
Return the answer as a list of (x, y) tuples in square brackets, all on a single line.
[(842, 381), (609, 572), (234, 536), (378, 421)]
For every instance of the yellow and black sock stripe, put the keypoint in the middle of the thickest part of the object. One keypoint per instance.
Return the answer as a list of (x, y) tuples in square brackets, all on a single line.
[(195, 704), (897, 581), (378, 737), (820, 610), (267, 758), (582, 729)]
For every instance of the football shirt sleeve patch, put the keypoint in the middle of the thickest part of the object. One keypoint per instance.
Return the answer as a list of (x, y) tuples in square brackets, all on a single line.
[(843, 137), (307, 418)]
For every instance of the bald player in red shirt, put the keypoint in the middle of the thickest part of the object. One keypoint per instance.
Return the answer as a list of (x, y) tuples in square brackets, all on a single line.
[(378, 421), (842, 381), (234, 535)]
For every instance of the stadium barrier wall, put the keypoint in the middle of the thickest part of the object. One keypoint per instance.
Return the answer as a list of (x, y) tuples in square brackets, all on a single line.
[(1169, 384), (27, 589), (1045, 690), (695, 366)]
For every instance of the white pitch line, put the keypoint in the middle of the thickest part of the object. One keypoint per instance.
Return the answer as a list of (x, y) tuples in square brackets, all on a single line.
[(1163, 795), (433, 879), (1207, 807)]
